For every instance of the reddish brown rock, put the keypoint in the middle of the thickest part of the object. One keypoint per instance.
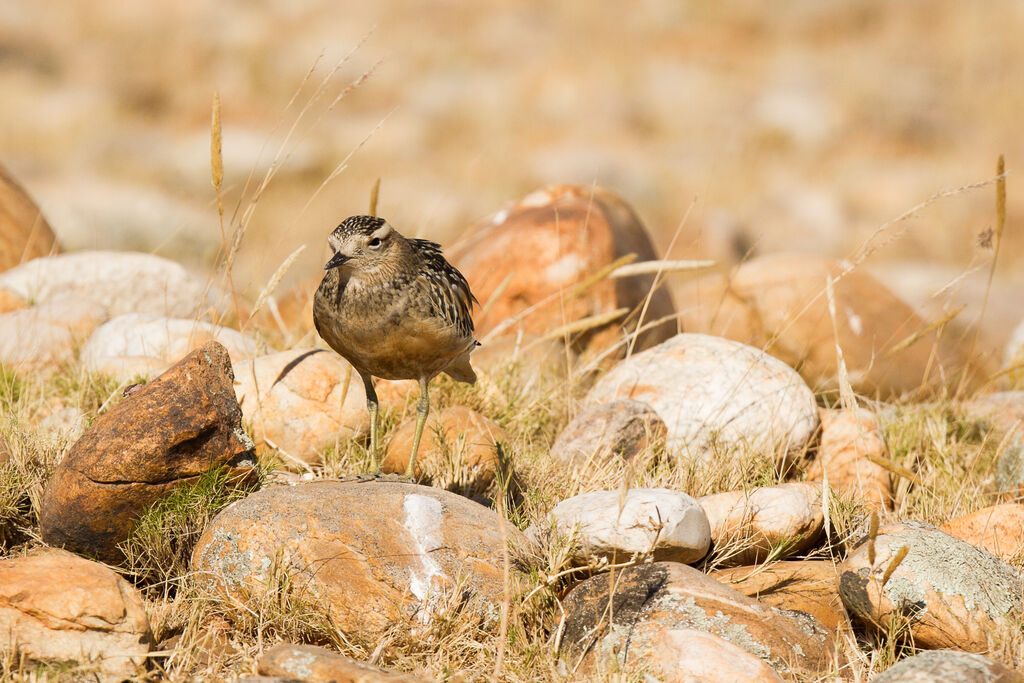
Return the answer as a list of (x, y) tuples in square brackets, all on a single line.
[(778, 303), (459, 448), (946, 591), (24, 232), (619, 429), (686, 655), (56, 606), (173, 430), (652, 600), (998, 529), (848, 439), (811, 587), (302, 401), (314, 664), (368, 553), (547, 243), (748, 526)]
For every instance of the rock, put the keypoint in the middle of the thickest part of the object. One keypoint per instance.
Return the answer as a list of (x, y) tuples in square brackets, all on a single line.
[(807, 586), (607, 432), (948, 665), (121, 282), (653, 600), (998, 529), (848, 439), (24, 232), (746, 526), (459, 448), (616, 527), (716, 396), (169, 432), (550, 241), (778, 303), (136, 341), (1010, 471), (41, 338), (302, 401), (522, 367), (56, 606), (319, 665), (1002, 411), (686, 655), (950, 593), (370, 553)]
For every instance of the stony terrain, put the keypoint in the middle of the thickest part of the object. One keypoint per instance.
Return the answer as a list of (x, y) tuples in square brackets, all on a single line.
[(798, 457), (814, 484)]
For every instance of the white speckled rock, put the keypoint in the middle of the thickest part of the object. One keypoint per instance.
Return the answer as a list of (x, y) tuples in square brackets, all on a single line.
[(953, 594), (39, 338), (747, 525), (716, 396), (948, 666), (304, 411), (669, 522), (122, 282), (139, 343), (369, 553)]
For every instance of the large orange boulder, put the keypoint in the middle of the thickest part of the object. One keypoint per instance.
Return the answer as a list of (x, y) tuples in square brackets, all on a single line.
[(167, 433), (534, 251), (370, 553), (24, 232), (779, 303)]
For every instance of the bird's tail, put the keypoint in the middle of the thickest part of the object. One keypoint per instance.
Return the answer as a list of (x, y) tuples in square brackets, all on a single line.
[(460, 370)]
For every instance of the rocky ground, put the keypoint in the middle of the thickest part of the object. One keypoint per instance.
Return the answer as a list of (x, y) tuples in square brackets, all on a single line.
[(778, 472)]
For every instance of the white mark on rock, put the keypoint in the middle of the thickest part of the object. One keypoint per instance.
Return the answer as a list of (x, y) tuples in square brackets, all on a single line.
[(423, 518), (500, 217), (566, 269), (855, 322)]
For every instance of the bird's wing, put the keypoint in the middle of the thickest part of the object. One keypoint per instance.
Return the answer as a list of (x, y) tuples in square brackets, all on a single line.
[(446, 288)]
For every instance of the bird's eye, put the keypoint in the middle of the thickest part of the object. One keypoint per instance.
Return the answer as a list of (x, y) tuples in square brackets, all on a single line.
[(375, 242)]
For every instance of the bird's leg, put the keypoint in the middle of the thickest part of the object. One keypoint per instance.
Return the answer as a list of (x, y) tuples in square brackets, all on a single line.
[(371, 406), (422, 408)]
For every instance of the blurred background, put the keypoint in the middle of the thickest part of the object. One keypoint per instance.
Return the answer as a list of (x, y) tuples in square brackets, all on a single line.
[(748, 127)]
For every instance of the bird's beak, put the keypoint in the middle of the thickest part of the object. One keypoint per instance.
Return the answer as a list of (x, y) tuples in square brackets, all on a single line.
[(336, 260)]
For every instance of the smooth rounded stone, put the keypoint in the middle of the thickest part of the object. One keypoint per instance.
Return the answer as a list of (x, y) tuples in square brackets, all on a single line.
[(40, 338), (169, 432), (716, 397), (58, 607), (302, 401), (314, 664), (459, 448), (686, 655), (550, 241), (609, 432), (131, 342), (1010, 471), (606, 524), (808, 586), (24, 232), (849, 438), (778, 302), (998, 529), (747, 526), (121, 282), (950, 666), (951, 593), (627, 624), (370, 553)]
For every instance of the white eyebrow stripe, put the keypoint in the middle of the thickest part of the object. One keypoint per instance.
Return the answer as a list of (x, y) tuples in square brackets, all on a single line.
[(381, 232)]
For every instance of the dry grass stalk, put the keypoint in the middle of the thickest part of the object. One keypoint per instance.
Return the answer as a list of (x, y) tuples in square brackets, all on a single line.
[(662, 266), (895, 563), (872, 535), (275, 280), (930, 327)]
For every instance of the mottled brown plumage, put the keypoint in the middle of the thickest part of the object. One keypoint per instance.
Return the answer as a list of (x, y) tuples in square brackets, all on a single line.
[(394, 308)]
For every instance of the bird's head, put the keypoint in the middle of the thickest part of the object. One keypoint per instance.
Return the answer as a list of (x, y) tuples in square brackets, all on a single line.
[(362, 243)]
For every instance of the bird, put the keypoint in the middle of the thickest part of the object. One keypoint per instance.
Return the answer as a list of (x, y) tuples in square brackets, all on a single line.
[(394, 308)]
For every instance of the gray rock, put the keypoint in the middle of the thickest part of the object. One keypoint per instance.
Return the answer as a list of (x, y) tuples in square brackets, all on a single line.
[(622, 428), (950, 666)]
